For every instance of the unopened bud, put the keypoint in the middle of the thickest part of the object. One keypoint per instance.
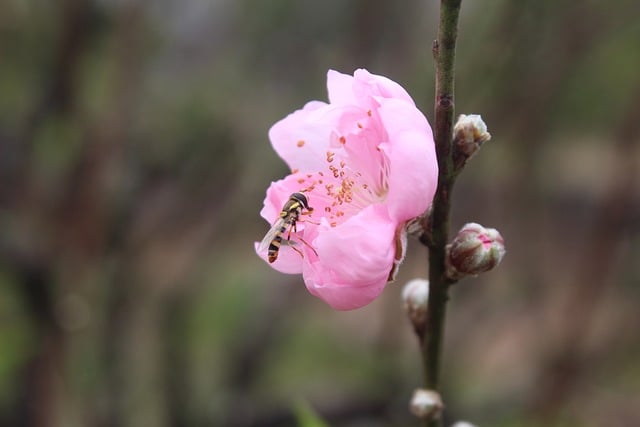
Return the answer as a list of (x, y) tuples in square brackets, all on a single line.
[(462, 424), (469, 133), (474, 250), (415, 296), (420, 227), (426, 404)]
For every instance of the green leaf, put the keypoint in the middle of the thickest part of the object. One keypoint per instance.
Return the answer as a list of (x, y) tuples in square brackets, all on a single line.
[(306, 416)]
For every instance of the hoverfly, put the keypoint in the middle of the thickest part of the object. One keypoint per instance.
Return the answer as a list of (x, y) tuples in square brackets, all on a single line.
[(288, 218)]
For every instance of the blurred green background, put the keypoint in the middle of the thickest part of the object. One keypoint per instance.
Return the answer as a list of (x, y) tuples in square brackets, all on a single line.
[(133, 163)]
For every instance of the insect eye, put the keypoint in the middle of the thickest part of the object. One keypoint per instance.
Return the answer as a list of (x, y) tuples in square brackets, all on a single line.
[(302, 199)]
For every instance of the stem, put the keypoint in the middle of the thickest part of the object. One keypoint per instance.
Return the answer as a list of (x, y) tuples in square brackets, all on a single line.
[(444, 54)]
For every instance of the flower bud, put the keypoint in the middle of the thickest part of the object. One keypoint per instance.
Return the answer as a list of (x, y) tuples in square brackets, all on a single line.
[(415, 296), (462, 424), (474, 250), (426, 404), (469, 133)]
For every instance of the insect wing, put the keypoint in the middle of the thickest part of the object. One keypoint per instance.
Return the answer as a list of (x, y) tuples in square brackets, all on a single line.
[(271, 234)]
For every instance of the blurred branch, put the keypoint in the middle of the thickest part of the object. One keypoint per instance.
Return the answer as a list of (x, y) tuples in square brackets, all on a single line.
[(60, 88), (35, 267), (593, 275), (38, 398)]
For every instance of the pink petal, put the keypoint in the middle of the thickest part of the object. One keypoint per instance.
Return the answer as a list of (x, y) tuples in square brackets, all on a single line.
[(360, 88), (413, 174), (302, 138), (369, 85), (288, 261), (354, 259), (340, 88), (277, 195)]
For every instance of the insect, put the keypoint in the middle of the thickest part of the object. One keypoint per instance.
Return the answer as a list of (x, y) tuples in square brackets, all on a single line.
[(289, 217)]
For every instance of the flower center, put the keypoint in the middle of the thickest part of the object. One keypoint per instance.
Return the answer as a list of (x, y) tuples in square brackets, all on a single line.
[(340, 191)]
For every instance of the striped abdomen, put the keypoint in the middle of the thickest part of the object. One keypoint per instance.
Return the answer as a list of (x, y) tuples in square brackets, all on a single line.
[(289, 222)]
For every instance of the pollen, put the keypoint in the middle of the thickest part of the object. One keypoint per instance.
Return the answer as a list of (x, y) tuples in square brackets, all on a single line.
[(369, 113), (360, 125), (345, 191), (300, 143), (300, 180), (330, 155), (295, 170), (329, 188), (343, 140)]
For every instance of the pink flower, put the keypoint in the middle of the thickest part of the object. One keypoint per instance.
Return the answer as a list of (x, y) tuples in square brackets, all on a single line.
[(366, 163)]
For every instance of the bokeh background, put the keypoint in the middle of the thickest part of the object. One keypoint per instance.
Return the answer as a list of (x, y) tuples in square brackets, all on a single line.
[(133, 163)]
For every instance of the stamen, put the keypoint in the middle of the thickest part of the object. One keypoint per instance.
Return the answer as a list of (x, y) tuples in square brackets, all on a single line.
[(330, 155)]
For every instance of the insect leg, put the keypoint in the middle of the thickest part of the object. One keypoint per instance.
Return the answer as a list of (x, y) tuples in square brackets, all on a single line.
[(309, 221), (297, 250), (308, 245), (292, 227)]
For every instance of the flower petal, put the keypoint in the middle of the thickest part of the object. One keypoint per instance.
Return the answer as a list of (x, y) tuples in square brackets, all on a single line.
[(277, 195), (302, 138), (288, 261), (353, 260), (360, 88), (370, 85), (340, 88), (413, 174)]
